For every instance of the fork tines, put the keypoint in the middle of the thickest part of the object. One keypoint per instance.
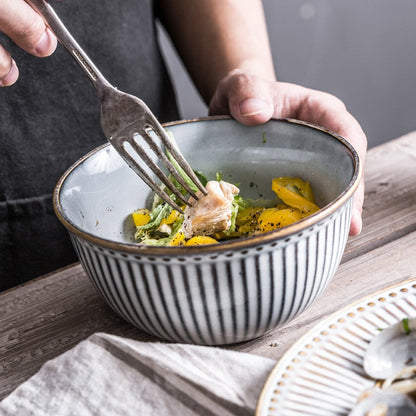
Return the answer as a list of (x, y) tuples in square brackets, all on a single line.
[(133, 135)]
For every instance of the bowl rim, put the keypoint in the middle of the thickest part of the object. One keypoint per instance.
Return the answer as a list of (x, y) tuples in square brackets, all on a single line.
[(223, 246)]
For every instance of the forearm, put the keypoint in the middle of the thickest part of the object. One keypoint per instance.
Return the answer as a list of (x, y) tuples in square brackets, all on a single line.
[(214, 37)]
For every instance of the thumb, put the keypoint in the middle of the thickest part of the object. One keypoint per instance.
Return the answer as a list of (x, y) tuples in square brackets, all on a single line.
[(247, 98), (26, 28)]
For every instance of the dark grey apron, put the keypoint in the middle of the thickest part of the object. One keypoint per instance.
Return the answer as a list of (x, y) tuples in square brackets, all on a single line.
[(50, 118)]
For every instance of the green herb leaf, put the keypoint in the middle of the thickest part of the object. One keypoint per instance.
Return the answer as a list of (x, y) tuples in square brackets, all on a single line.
[(156, 216), (405, 324), (185, 177)]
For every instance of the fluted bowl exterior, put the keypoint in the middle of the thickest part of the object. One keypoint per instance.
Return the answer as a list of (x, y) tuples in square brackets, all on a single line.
[(217, 294)]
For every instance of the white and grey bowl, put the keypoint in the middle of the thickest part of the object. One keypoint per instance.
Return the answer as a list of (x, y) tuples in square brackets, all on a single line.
[(227, 292)]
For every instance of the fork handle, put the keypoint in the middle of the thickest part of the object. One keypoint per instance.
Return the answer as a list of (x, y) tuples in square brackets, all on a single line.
[(70, 44)]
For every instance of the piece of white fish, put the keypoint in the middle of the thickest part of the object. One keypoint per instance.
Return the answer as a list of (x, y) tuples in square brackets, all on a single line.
[(212, 212)]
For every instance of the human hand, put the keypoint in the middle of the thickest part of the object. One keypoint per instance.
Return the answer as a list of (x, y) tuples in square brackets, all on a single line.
[(27, 29), (252, 100)]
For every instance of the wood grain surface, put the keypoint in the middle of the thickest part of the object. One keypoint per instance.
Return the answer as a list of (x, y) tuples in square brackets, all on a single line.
[(48, 316)]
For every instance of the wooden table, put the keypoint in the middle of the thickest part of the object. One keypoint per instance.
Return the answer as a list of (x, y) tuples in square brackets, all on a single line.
[(46, 317)]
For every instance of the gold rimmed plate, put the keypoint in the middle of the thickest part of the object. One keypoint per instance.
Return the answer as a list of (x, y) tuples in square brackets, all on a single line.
[(322, 373)]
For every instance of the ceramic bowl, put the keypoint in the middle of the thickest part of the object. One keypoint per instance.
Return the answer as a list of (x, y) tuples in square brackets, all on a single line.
[(228, 292)]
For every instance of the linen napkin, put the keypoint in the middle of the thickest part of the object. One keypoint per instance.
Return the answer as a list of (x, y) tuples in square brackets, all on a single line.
[(108, 375)]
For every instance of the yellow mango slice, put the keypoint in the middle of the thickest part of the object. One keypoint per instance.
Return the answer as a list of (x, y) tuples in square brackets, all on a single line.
[(141, 217), (246, 220), (178, 239), (290, 194), (173, 216), (273, 218), (297, 185), (200, 240), (249, 215)]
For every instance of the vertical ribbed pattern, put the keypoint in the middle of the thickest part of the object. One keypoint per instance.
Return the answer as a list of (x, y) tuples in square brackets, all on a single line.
[(227, 300)]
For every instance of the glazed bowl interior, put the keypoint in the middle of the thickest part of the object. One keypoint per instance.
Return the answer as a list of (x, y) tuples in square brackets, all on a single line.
[(98, 194)]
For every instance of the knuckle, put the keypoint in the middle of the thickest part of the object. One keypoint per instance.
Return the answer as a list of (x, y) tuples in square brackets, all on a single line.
[(240, 78), (239, 81), (335, 101)]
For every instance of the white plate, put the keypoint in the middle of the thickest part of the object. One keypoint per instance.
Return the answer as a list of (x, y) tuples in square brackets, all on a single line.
[(322, 373)]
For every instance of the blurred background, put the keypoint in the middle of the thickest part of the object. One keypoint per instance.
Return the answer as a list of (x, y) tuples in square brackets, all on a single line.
[(361, 51)]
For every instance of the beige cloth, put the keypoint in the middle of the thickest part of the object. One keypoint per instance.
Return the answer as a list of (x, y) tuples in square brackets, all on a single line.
[(109, 375)]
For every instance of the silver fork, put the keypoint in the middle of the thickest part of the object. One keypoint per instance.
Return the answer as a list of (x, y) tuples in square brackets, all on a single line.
[(127, 121)]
